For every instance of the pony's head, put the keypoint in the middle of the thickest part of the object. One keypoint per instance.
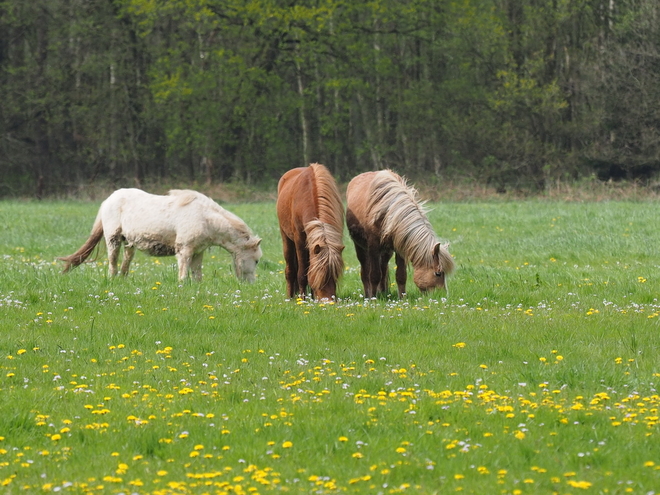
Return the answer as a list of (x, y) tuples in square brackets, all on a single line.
[(246, 259), (325, 261), (429, 276)]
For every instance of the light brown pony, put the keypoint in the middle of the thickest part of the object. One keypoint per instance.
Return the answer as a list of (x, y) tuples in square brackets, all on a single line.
[(384, 216), (311, 217)]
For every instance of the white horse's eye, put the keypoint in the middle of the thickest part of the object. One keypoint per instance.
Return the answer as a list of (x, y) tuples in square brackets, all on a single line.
[(439, 274)]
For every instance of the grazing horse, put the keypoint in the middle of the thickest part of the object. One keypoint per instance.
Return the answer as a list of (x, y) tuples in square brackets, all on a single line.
[(384, 217), (183, 223), (311, 217)]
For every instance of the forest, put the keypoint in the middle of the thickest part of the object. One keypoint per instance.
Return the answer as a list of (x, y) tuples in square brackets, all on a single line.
[(509, 93)]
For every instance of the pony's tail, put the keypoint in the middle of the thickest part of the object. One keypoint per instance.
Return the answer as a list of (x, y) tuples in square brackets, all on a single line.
[(79, 257)]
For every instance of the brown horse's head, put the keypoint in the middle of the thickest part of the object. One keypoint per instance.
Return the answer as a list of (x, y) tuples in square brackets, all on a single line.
[(432, 276), (327, 291), (325, 261)]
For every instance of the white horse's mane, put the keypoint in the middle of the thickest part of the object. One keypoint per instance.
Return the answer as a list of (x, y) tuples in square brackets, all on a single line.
[(186, 196)]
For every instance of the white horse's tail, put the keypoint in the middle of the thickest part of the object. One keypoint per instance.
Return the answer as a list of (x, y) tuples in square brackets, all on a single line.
[(79, 257)]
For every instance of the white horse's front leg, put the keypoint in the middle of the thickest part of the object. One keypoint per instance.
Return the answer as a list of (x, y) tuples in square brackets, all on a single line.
[(129, 252), (196, 266), (184, 257)]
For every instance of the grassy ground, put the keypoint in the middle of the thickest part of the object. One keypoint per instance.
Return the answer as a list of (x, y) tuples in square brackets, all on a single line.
[(536, 373)]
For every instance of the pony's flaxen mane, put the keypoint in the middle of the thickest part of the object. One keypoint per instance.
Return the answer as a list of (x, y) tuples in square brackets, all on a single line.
[(326, 231), (393, 202)]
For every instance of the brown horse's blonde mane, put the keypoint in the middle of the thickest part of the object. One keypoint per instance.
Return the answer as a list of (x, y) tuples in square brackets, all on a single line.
[(394, 203), (326, 231)]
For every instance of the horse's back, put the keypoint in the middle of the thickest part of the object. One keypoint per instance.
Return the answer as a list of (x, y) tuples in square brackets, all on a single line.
[(358, 194), (288, 179), (293, 199)]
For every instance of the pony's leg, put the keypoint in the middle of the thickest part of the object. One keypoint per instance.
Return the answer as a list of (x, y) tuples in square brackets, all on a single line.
[(290, 266), (113, 246), (365, 269), (129, 252), (383, 272), (196, 266), (372, 271), (184, 258), (303, 266), (401, 274)]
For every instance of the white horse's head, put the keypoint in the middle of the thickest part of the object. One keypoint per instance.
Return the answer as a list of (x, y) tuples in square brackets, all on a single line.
[(246, 259)]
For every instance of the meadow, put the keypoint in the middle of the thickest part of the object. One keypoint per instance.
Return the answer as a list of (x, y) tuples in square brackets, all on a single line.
[(536, 372)]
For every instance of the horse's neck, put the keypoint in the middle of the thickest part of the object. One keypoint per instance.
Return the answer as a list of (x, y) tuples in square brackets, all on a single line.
[(226, 234), (417, 243)]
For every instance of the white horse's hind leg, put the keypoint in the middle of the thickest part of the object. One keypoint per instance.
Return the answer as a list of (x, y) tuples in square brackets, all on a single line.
[(196, 266), (113, 255), (129, 252)]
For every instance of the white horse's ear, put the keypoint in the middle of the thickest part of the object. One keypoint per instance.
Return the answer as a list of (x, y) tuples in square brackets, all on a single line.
[(436, 250), (316, 249), (253, 243)]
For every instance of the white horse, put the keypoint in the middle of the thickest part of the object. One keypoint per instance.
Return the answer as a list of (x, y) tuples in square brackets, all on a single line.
[(183, 223)]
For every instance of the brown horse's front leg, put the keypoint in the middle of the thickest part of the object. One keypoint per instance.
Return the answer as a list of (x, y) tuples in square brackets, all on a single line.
[(363, 258), (291, 266), (383, 271), (401, 274), (372, 269), (303, 267)]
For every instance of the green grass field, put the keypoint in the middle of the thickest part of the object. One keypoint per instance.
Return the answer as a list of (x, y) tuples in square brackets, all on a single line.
[(536, 373)]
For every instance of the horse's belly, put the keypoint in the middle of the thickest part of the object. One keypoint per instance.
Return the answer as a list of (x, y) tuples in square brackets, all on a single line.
[(154, 246)]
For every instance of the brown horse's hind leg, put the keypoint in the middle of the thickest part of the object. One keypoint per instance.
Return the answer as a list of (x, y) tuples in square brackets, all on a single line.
[(401, 274), (129, 252), (290, 266)]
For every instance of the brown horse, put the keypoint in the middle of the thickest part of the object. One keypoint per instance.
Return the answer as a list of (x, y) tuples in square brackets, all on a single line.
[(311, 217), (384, 216)]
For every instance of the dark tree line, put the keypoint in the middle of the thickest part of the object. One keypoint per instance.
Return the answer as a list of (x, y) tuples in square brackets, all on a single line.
[(507, 92)]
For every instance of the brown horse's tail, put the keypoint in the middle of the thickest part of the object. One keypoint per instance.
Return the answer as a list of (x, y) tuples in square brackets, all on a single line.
[(79, 257)]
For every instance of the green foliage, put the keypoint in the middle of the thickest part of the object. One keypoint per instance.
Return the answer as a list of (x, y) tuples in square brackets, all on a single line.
[(510, 93)]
